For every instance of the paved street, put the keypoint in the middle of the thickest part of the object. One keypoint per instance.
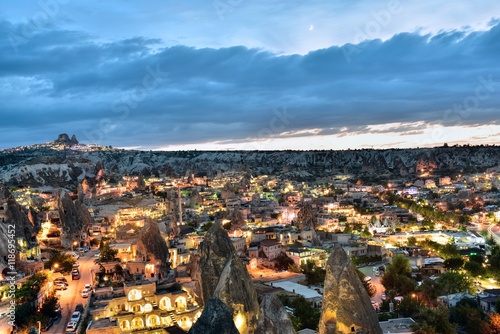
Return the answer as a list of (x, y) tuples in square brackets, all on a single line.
[(368, 271), (495, 232), (72, 296)]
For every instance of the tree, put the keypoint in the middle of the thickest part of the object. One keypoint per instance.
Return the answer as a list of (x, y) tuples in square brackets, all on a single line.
[(283, 262), (475, 269), (494, 320), (454, 263), (412, 241), (107, 253), (428, 292), (453, 282), (470, 316), (118, 270), (314, 274), (396, 277), (433, 321), (304, 315), (449, 250), (49, 306), (64, 261)]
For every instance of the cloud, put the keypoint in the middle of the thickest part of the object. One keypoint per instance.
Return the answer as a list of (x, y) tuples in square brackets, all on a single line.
[(137, 91)]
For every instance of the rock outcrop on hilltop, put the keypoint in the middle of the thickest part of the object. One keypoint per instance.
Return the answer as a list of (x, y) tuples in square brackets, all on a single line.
[(64, 139), (222, 274), (216, 318), (73, 140), (13, 215), (150, 243), (346, 304), (75, 218), (274, 318)]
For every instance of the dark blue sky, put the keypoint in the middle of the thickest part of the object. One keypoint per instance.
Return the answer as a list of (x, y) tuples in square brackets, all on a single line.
[(250, 74)]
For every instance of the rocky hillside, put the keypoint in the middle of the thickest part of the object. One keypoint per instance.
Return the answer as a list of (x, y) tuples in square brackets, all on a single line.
[(13, 218), (63, 162)]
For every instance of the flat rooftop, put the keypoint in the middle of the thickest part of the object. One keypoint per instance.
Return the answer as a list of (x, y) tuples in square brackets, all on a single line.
[(397, 326), (103, 323), (296, 288)]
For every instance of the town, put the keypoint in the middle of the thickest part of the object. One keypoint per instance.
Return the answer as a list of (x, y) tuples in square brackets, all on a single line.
[(120, 254)]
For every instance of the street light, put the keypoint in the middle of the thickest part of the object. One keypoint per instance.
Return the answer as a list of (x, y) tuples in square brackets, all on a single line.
[(56, 265)]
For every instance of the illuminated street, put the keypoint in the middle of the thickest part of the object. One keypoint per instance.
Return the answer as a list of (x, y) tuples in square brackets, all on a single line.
[(73, 295)]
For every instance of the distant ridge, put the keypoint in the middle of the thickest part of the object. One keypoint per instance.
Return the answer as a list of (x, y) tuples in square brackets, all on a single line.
[(64, 163)]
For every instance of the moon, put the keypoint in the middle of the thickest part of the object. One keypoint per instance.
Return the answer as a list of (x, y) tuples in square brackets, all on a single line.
[(311, 27)]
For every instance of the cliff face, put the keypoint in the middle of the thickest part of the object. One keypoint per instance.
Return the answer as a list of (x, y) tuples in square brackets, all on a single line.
[(12, 215), (150, 242), (274, 318), (216, 318), (346, 304), (221, 273)]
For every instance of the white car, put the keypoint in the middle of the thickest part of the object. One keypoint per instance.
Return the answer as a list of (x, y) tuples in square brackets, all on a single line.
[(85, 293), (71, 326), (76, 317)]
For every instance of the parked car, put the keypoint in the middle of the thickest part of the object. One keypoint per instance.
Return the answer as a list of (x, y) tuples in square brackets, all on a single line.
[(61, 286), (85, 293), (97, 254), (76, 316), (71, 326)]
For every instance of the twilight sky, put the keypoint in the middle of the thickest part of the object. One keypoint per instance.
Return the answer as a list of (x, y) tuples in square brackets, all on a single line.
[(260, 74)]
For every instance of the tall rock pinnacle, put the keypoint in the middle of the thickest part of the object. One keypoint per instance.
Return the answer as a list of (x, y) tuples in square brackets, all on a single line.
[(346, 304), (216, 318), (222, 274)]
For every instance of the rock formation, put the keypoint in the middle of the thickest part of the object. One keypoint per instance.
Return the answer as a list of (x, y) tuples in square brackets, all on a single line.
[(151, 243), (75, 218), (13, 215), (346, 304), (216, 318), (222, 274), (274, 318), (73, 141), (64, 139)]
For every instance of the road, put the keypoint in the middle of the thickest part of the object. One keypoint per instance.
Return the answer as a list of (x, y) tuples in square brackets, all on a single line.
[(495, 232), (72, 296), (376, 282)]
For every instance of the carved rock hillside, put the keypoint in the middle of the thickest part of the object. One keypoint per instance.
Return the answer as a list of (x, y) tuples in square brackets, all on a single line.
[(346, 304), (151, 243), (274, 318), (12, 214), (75, 218), (216, 318), (222, 274)]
